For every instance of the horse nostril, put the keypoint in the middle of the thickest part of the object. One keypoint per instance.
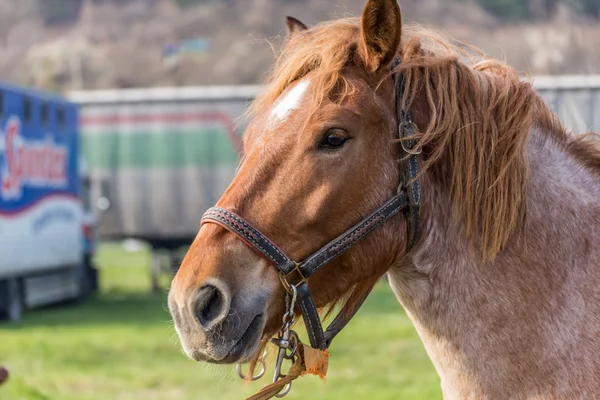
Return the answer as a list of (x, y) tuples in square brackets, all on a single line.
[(210, 306)]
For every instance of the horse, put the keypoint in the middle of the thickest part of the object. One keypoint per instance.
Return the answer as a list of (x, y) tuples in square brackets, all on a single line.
[(492, 247)]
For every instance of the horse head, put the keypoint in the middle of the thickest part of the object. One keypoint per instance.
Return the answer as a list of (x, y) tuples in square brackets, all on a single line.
[(319, 155)]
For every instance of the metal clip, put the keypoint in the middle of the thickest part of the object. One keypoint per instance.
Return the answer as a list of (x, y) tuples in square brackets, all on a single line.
[(291, 339)]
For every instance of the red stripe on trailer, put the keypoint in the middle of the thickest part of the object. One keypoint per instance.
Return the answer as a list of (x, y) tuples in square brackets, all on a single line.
[(217, 117)]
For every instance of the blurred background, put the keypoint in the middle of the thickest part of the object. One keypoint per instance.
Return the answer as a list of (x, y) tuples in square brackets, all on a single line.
[(127, 117), (95, 44)]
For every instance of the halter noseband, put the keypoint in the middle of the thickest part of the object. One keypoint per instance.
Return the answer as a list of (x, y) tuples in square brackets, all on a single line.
[(294, 275)]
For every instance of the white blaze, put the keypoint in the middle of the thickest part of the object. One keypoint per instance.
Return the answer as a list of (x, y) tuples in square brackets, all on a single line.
[(289, 102)]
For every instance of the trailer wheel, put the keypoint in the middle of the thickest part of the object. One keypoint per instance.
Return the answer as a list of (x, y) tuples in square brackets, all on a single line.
[(87, 275), (12, 293)]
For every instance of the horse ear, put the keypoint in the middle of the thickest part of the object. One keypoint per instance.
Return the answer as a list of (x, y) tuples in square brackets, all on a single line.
[(381, 33), (294, 26)]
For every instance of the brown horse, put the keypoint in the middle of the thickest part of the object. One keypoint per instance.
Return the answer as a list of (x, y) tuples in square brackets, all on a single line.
[(503, 282)]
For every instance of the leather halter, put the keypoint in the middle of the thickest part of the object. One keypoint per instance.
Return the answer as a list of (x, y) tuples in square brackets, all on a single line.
[(407, 198)]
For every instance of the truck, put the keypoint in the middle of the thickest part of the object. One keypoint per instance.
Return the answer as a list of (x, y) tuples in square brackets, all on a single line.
[(47, 228)]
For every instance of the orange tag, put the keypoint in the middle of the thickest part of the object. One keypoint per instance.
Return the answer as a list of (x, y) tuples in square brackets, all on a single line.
[(316, 361)]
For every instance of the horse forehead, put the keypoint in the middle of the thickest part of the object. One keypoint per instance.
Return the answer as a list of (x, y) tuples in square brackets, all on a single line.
[(289, 101)]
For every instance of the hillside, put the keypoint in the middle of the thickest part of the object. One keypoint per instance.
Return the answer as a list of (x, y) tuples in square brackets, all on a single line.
[(133, 43)]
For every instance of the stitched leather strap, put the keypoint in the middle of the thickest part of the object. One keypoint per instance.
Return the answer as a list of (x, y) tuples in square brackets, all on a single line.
[(251, 236), (265, 247), (353, 235), (343, 317), (311, 317), (272, 253)]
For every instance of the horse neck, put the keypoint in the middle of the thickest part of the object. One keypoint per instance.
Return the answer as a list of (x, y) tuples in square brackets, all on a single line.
[(498, 327)]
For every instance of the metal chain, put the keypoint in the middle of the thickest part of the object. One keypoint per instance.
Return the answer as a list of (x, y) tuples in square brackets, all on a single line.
[(287, 340)]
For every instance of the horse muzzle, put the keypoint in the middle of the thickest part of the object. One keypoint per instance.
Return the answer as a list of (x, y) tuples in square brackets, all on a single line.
[(216, 327)]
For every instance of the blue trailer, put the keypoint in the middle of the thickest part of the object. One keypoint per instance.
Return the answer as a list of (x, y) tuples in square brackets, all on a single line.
[(46, 225)]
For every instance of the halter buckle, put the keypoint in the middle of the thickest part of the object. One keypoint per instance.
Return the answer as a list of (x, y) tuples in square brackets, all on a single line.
[(405, 130), (284, 278)]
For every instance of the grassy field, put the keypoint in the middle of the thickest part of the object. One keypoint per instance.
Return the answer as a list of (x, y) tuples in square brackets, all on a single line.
[(121, 345)]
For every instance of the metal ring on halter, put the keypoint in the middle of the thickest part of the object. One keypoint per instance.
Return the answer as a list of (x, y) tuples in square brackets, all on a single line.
[(284, 278), (286, 389), (261, 372), (410, 128)]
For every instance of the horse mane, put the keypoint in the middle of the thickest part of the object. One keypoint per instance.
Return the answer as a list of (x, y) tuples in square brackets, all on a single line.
[(481, 113)]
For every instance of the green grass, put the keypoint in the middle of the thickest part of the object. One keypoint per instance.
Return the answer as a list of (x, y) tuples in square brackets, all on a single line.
[(121, 345)]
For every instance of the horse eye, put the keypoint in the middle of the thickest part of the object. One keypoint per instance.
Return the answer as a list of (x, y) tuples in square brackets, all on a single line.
[(332, 141)]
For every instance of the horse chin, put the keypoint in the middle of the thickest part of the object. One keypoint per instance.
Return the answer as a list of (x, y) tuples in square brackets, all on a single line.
[(241, 350)]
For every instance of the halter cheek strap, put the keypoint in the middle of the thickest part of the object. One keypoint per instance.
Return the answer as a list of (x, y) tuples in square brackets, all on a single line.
[(409, 164)]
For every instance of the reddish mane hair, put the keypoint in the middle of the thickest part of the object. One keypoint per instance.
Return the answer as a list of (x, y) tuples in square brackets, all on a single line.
[(478, 129)]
